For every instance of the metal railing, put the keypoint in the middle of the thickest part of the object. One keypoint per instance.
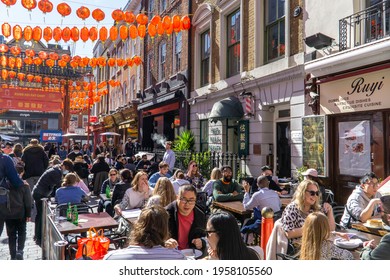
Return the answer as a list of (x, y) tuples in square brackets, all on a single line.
[(365, 26)]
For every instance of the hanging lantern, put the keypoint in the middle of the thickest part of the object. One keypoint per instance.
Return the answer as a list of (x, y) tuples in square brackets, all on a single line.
[(47, 34), (42, 55), (176, 22), (57, 34), (84, 34), (3, 61), (38, 79), (77, 58), (93, 33), (152, 30), (93, 62), (160, 29), (117, 15), (37, 60), (27, 33), (103, 34), (166, 22), (133, 31), (137, 60), (186, 22), (130, 62), (9, 2), (64, 9), (18, 62), (102, 85), (54, 56), (62, 63), (45, 6), (30, 78), (12, 74), (6, 29), (65, 57), (29, 4), (37, 33), (111, 62), (28, 60), (120, 62), (21, 76), (4, 74), (129, 17), (81, 64), (101, 61), (17, 32), (111, 83), (66, 33), (75, 34), (46, 80), (74, 64), (83, 12), (98, 15), (141, 30), (169, 30), (155, 20), (142, 19), (54, 81), (29, 52), (113, 33), (11, 62), (15, 50), (4, 48), (123, 32), (85, 61)]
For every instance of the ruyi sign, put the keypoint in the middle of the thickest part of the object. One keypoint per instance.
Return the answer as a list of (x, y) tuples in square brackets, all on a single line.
[(363, 92)]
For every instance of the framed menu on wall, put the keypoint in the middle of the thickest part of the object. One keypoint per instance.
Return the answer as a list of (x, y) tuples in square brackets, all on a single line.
[(313, 143)]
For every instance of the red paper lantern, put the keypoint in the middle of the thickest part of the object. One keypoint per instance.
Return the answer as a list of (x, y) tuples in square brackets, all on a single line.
[(84, 34), (93, 62), (130, 62), (29, 4), (57, 34), (9, 2), (66, 34), (37, 60), (6, 29), (28, 60), (4, 48), (152, 30), (50, 62), (42, 55), (133, 31), (129, 17), (12, 74), (83, 12), (113, 33), (17, 32), (142, 19), (65, 57), (120, 62), (141, 30), (30, 78), (176, 21), (111, 62), (85, 61), (169, 30), (123, 32), (29, 53), (62, 63), (101, 61), (93, 34), (77, 58), (45, 6), (186, 22), (155, 20), (3, 61), (54, 56), (117, 15), (48, 34), (37, 33), (166, 22), (4, 74), (46, 80), (21, 76), (74, 64), (15, 50), (75, 34), (160, 29), (38, 79), (103, 34), (98, 15), (27, 33), (137, 60), (18, 62), (64, 9)]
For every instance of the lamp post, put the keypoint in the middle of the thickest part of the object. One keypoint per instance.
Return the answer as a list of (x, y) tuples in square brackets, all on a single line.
[(90, 76)]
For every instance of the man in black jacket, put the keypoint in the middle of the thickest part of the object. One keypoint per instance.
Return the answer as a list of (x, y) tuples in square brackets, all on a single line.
[(187, 222)]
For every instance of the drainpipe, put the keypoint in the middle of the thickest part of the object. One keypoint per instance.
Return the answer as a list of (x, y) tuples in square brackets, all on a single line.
[(242, 30), (189, 72)]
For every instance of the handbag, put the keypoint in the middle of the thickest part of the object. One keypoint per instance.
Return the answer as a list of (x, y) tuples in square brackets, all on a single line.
[(94, 246), (5, 205)]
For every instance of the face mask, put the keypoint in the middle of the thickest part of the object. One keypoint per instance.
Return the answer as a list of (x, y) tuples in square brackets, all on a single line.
[(269, 178), (65, 172)]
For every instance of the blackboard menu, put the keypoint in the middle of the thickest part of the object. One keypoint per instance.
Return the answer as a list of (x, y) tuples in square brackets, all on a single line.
[(243, 140)]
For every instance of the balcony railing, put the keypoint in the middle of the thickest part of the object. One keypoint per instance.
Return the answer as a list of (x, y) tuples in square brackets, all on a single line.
[(365, 26)]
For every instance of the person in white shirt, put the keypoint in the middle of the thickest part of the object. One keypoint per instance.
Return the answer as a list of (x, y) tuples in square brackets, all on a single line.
[(169, 156)]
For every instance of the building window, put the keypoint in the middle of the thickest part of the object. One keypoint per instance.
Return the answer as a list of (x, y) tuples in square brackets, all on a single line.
[(149, 67), (151, 6), (177, 52), (205, 58), (233, 43), (204, 135), (162, 62), (163, 5), (125, 97), (132, 87), (275, 26)]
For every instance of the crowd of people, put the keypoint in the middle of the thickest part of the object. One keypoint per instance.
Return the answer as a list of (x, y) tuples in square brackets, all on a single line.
[(177, 209)]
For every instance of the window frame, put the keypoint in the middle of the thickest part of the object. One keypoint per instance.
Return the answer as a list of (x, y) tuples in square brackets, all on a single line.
[(162, 63), (280, 23), (204, 127), (204, 61), (176, 54), (233, 46)]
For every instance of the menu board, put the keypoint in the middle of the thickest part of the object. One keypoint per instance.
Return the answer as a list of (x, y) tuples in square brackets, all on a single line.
[(313, 143), (243, 138)]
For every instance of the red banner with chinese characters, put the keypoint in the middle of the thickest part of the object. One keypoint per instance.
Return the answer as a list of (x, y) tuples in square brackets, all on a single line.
[(31, 100)]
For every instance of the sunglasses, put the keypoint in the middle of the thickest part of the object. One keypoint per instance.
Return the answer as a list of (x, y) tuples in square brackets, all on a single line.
[(195, 165), (113, 174), (313, 193), (208, 232)]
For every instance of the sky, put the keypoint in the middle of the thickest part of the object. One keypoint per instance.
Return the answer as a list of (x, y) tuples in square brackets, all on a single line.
[(17, 14)]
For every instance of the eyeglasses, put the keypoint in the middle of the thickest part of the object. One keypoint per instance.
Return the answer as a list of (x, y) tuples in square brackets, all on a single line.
[(372, 184), (194, 165), (313, 193), (113, 174), (208, 232), (186, 201)]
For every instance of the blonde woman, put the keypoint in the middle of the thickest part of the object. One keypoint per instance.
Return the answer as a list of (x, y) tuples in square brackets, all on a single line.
[(315, 240), (193, 175), (216, 174), (137, 195), (307, 199), (164, 189)]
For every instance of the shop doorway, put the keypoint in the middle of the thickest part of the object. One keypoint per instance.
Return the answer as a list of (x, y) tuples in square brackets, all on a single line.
[(283, 150)]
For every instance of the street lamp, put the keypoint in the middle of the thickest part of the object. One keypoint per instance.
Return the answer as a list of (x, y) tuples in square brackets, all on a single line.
[(90, 77)]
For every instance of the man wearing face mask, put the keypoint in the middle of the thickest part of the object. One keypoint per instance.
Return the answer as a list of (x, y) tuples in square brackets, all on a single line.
[(267, 171), (226, 188), (47, 183)]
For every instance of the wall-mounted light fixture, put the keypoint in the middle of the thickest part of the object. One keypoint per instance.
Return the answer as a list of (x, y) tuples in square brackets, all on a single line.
[(212, 88), (318, 41), (192, 101)]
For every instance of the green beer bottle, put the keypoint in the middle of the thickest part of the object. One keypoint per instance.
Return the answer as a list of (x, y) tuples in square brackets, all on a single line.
[(108, 191), (75, 216), (69, 213)]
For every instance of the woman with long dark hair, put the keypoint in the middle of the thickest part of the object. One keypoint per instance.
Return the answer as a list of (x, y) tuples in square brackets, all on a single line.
[(224, 239)]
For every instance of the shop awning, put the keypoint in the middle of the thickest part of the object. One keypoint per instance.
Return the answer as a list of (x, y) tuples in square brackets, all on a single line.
[(127, 124), (228, 108)]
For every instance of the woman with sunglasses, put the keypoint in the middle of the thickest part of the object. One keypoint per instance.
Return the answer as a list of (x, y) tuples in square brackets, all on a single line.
[(225, 241), (307, 199), (113, 179), (193, 175)]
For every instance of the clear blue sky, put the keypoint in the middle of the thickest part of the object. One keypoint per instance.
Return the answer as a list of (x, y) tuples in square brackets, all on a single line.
[(17, 14)]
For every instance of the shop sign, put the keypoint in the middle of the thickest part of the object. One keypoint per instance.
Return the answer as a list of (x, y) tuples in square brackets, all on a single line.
[(243, 138), (215, 138), (363, 92), (51, 136)]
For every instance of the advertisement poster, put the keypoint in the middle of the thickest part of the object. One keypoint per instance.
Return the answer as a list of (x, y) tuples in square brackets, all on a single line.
[(313, 143), (354, 148)]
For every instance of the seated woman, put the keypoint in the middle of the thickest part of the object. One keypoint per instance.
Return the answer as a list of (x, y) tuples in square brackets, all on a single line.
[(165, 190), (147, 238), (193, 175), (225, 241), (69, 192), (109, 183), (306, 200), (315, 240), (215, 175), (137, 195), (121, 187)]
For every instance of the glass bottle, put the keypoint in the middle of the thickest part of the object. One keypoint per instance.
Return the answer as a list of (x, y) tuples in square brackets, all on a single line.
[(108, 191), (69, 212), (75, 216)]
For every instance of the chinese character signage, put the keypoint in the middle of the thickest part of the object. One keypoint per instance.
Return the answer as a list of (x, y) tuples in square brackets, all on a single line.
[(243, 138), (51, 136), (313, 143)]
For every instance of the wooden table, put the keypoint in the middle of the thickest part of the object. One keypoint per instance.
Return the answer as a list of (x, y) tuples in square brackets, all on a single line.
[(234, 207), (285, 201), (374, 231), (97, 220), (364, 237)]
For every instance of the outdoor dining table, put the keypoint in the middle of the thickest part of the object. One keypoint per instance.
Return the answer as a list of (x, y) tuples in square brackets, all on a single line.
[(234, 207), (100, 220), (373, 231), (103, 196)]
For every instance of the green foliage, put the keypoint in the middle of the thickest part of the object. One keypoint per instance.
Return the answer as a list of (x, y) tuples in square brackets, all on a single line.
[(203, 160), (300, 170), (184, 142)]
